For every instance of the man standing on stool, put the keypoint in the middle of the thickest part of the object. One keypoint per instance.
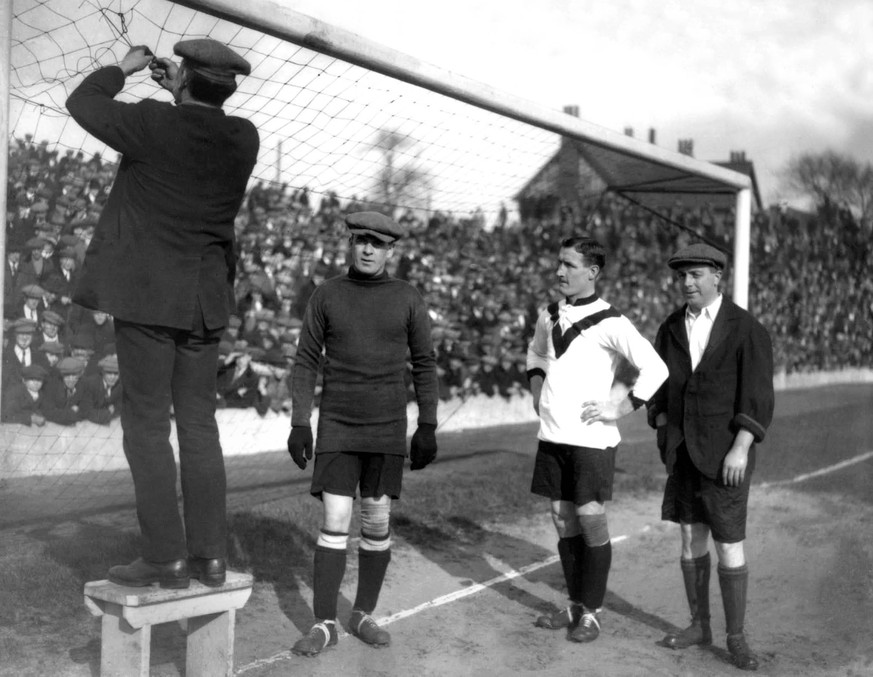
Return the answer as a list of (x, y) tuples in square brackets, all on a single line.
[(571, 365), (717, 402), (365, 323), (161, 262)]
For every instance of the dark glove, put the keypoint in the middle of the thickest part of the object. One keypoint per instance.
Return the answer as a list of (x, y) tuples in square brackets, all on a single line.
[(662, 442), (424, 446), (300, 445)]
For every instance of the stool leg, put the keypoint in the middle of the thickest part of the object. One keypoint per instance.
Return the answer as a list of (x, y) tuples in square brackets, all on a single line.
[(125, 650), (210, 645)]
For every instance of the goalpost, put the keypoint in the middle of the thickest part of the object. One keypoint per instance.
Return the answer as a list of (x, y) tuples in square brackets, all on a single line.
[(330, 107)]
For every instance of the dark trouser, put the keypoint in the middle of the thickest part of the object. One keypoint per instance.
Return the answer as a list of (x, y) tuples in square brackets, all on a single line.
[(159, 366)]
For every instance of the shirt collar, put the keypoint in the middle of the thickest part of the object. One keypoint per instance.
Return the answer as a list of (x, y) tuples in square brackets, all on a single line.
[(583, 302), (709, 311)]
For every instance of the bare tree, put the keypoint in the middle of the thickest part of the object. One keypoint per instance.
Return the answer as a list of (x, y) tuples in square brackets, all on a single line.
[(833, 179), (402, 179)]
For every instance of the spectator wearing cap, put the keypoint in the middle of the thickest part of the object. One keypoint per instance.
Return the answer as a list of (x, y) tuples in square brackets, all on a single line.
[(715, 406), (23, 400), (82, 347), (357, 331), (32, 304), (63, 397), (19, 353), (238, 384), (35, 268), (66, 277), (166, 278), (51, 326), (102, 393), (52, 353)]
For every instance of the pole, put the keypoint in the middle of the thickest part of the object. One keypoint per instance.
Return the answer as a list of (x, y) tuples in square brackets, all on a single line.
[(742, 245)]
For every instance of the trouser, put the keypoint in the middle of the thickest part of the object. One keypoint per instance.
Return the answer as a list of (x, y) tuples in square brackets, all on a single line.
[(160, 366)]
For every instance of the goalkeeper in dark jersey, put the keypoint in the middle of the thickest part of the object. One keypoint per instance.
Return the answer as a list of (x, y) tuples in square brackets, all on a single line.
[(359, 329)]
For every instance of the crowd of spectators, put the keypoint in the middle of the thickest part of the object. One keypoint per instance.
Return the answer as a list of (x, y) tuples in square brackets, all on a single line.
[(810, 283)]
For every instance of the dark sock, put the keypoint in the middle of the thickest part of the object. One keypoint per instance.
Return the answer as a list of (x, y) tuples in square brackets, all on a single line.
[(734, 584), (595, 572), (569, 549), (695, 574), (328, 571), (372, 565)]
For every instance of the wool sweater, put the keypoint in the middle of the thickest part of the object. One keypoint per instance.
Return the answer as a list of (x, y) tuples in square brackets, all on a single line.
[(359, 330)]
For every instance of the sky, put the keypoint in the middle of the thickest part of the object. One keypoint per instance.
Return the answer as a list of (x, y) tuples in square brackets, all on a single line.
[(773, 78)]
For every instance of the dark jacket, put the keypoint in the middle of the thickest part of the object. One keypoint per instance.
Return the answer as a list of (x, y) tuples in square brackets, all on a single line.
[(164, 240), (731, 388)]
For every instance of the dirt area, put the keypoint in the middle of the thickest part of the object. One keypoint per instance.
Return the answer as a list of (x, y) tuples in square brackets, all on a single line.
[(809, 612)]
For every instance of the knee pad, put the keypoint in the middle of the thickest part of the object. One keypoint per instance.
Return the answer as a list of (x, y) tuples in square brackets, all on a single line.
[(375, 518), (333, 540), (595, 530), (564, 519)]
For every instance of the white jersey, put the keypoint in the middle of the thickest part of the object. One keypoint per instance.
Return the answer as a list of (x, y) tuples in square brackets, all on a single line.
[(591, 337)]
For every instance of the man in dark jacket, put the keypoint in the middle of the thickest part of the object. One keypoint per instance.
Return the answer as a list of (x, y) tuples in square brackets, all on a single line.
[(366, 323), (716, 404), (161, 263)]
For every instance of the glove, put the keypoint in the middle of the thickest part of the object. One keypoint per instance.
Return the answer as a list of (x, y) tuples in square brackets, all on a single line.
[(424, 446), (300, 445)]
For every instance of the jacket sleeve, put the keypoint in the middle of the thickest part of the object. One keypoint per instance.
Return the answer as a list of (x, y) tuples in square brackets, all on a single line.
[(119, 125), (756, 400)]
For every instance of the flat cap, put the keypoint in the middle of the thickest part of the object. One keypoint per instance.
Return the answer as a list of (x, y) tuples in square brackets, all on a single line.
[(24, 326), (39, 208), (54, 318), (700, 254), (109, 363), (53, 347), (34, 371), (71, 365), (33, 291), (213, 60), (34, 243), (375, 224)]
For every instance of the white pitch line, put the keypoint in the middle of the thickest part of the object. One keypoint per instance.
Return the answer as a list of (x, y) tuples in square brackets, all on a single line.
[(821, 471), (515, 573), (439, 601)]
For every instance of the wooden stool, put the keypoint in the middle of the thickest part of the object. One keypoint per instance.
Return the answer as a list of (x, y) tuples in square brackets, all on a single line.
[(129, 614)]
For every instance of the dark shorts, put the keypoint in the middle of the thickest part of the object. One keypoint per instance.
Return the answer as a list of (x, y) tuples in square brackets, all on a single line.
[(345, 472), (692, 498), (563, 472)]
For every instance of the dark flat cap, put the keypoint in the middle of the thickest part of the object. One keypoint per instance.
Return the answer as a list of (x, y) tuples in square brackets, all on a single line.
[(212, 60), (34, 371), (109, 363), (33, 291), (375, 224), (54, 318), (54, 347), (700, 254)]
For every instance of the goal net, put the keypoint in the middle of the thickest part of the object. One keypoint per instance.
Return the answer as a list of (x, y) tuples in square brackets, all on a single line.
[(334, 132)]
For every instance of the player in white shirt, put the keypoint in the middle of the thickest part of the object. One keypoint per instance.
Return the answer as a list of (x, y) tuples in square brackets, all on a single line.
[(571, 365)]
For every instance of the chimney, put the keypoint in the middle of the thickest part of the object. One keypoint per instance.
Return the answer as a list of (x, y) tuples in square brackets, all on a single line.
[(686, 147), (651, 135), (629, 131), (572, 110), (738, 156)]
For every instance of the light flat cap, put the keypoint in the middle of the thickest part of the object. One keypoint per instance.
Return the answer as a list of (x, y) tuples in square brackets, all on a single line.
[(700, 254), (71, 365), (212, 60), (109, 363), (375, 224)]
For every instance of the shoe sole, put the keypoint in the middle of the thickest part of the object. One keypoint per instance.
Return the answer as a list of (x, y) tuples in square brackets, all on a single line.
[(212, 582), (180, 584)]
